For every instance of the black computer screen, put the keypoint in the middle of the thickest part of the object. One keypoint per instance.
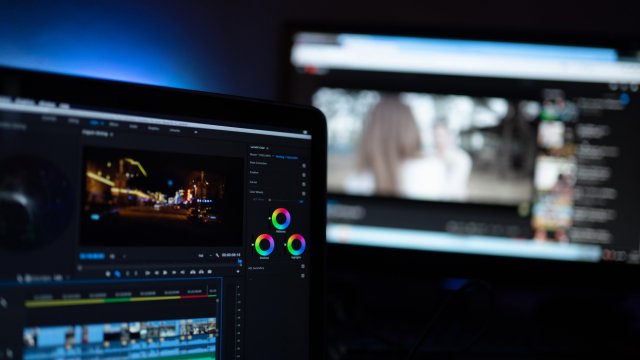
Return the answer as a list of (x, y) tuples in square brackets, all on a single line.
[(497, 148), (129, 232)]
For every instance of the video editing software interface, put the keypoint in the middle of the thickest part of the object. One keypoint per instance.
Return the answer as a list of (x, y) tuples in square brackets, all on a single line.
[(476, 147), (141, 236)]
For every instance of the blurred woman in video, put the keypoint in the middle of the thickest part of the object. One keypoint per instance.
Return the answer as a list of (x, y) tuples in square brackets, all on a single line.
[(391, 161), (456, 162)]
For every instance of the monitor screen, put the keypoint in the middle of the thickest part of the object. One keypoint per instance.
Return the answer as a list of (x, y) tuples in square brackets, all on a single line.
[(460, 146), (142, 222)]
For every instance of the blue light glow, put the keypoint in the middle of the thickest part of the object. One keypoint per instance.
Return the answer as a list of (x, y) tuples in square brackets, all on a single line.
[(134, 43), (625, 99), (453, 283)]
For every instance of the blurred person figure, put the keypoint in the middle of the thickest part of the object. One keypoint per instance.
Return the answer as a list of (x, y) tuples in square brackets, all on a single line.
[(456, 162), (391, 161)]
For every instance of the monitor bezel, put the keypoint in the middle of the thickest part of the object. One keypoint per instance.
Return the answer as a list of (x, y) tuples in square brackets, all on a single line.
[(207, 108)]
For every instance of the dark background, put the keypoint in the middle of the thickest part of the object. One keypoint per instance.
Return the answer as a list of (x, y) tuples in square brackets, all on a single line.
[(235, 47), (232, 46)]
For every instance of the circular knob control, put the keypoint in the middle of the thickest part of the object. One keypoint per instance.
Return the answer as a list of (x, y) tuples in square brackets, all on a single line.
[(260, 248), (296, 244), (287, 218)]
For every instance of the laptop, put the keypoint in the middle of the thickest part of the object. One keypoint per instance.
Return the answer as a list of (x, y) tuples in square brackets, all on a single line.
[(147, 222)]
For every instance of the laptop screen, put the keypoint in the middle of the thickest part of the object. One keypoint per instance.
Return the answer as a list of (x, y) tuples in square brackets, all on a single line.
[(129, 233)]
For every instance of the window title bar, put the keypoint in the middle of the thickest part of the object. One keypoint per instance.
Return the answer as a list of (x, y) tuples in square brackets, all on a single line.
[(462, 58)]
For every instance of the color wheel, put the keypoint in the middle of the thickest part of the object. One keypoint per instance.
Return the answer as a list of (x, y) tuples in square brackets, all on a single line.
[(274, 218), (259, 240), (303, 244)]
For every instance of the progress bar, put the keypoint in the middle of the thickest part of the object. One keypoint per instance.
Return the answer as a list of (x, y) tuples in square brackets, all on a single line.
[(75, 302)]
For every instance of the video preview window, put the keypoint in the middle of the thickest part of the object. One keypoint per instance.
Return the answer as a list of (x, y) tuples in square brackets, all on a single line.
[(145, 198), (433, 147)]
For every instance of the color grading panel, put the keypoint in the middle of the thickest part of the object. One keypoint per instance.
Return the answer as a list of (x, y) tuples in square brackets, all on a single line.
[(278, 242), (279, 217), (295, 244)]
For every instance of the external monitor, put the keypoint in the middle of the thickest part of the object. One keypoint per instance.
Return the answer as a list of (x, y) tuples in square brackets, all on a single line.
[(476, 149), (148, 222)]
